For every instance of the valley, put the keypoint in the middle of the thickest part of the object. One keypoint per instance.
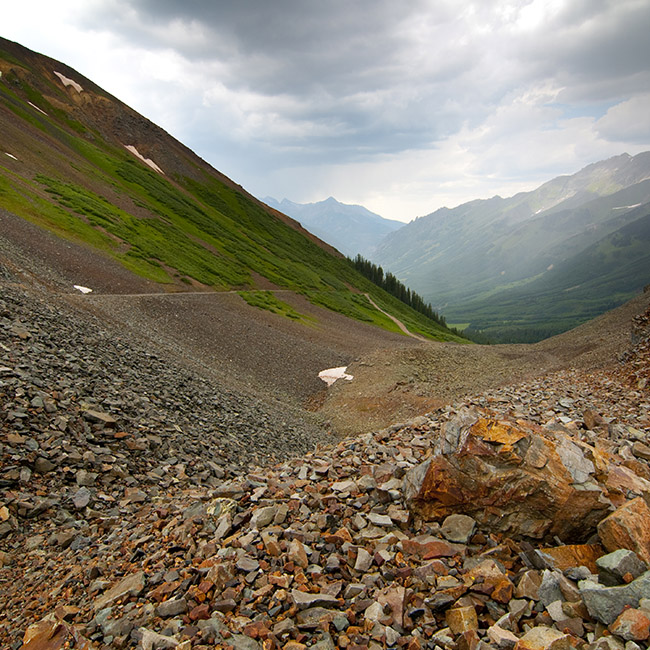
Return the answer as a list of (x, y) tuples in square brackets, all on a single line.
[(175, 474), (526, 267)]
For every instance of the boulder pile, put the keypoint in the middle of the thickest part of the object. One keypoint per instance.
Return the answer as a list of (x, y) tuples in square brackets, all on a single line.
[(516, 519), (331, 551)]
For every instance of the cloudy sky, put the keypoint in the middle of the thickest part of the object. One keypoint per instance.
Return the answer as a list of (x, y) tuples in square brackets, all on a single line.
[(402, 107)]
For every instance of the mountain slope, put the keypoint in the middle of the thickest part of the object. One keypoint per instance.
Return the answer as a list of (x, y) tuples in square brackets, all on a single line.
[(351, 229), (460, 258), (585, 285), (90, 169)]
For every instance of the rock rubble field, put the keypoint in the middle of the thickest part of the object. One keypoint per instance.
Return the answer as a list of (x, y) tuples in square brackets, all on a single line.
[(141, 509)]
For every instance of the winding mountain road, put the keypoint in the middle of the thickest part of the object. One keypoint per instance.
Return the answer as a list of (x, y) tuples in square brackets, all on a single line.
[(395, 320)]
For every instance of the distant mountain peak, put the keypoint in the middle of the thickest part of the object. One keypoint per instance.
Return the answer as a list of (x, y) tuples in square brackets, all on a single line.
[(352, 229), (466, 259)]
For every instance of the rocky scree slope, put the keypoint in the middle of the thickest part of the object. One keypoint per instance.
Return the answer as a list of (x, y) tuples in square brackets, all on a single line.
[(120, 526), (79, 165)]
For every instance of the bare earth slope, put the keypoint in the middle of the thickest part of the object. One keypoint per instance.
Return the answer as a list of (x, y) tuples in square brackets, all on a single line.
[(398, 384), (395, 377), (132, 515)]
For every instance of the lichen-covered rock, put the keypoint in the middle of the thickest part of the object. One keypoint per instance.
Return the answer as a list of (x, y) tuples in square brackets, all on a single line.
[(512, 477), (628, 527)]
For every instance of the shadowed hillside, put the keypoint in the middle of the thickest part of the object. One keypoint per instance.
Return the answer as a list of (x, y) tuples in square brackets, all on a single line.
[(81, 164)]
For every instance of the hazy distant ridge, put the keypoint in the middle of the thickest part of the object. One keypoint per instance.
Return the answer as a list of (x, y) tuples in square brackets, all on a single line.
[(485, 260), (351, 229)]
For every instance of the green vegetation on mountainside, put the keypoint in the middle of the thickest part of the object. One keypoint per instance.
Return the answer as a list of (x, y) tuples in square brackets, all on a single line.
[(268, 301), (496, 262), (600, 278), (74, 177)]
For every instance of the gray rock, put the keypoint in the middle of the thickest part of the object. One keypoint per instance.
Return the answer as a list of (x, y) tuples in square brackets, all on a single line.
[(262, 517), (172, 607), (43, 465), (247, 564), (212, 627), (549, 590), (304, 600), (458, 528), (379, 520), (151, 640), (314, 617), (364, 561), (613, 566), (606, 603), (81, 498), (326, 643), (85, 478), (241, 642), (132, 585)]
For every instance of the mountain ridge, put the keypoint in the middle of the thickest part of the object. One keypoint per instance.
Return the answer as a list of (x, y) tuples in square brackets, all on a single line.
[(459, 258), (350, 228), (89, 168)]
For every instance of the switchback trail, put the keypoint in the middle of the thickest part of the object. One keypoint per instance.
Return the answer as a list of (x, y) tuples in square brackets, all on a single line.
[(395, 320)]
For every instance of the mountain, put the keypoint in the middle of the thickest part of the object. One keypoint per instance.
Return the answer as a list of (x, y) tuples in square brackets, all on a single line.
[(87, 168), (577, 289), (351, 229), (151, 497), (483, 262)]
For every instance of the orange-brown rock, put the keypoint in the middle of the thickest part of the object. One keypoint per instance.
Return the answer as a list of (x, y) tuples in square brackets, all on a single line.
[(628, 527), (50, 633), (512, 477), (631, 625), (461, 619), (573, 555)]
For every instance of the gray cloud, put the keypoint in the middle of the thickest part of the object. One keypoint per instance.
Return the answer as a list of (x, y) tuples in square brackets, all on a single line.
[(354, 70), (424, 102)]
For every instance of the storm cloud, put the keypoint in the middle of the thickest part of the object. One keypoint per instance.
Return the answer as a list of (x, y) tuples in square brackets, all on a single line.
[(402, 107)]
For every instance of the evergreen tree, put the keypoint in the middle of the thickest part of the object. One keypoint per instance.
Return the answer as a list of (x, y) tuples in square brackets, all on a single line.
[(394, 287)]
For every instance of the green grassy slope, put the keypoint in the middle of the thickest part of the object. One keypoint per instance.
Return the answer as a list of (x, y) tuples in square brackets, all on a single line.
[(599, 278), (69, 171)]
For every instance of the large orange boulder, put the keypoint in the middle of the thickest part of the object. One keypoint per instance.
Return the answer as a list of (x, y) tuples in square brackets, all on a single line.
[(518, 478), (628, 527)]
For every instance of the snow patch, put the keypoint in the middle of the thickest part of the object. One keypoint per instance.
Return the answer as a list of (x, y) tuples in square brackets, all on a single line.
[(68, 82), (10, 155), (146, 161), (330, 375), (627, 207), (40, 110), (82, 289)]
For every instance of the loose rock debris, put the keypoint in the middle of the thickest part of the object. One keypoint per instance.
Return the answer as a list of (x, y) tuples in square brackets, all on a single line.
[(109, 541)]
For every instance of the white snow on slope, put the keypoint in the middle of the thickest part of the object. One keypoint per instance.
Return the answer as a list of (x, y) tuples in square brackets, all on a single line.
[(68, 82), (146, 161), (330, 375)]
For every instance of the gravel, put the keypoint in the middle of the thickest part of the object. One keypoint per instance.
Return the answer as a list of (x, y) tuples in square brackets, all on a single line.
[(49, 349)]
